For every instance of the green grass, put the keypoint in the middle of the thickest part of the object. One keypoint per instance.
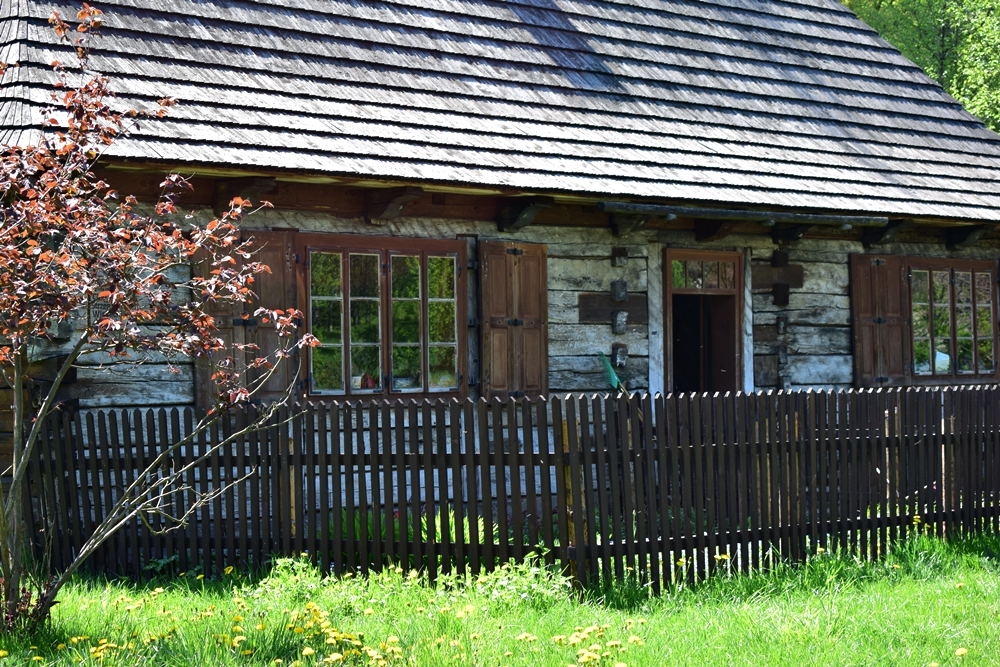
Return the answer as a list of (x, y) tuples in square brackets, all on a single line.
[(922, 603)]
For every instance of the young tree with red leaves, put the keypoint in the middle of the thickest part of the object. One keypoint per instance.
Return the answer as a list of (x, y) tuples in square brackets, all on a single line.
[(72, 253)]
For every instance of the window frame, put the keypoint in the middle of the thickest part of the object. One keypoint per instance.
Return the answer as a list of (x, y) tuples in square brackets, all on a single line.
[(932, 264), (387, 248)]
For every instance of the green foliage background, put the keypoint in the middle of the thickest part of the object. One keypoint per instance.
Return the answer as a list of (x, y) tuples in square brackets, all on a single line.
[(957, 42)]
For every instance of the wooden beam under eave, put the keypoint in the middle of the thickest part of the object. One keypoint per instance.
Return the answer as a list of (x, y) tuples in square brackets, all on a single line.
[(252, 187), (712, 230), (880, 235), (519, 212), (383, 205), (957, 238)]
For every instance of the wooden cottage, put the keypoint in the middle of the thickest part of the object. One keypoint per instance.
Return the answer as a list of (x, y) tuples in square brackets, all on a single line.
[(478, 197)]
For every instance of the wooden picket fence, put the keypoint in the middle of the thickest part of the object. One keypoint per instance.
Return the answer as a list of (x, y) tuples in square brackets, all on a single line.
[(659, 488)]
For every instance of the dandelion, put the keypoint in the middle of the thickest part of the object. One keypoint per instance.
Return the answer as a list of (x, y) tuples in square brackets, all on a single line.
[(200, 576), (681, 562), (369, 612), (60, 647), (820, 550), (960, 585), (307, 651), (228, 570), (3, 654), (962, 651)]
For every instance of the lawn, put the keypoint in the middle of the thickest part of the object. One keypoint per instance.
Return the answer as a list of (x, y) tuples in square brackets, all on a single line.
[(926, 603)]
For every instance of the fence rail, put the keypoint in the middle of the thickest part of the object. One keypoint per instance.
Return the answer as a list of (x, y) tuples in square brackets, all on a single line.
[(663, 487)]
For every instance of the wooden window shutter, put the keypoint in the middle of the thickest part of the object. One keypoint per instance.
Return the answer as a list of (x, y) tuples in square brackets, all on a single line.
[(879, 307), (277, 290), (514, 301)]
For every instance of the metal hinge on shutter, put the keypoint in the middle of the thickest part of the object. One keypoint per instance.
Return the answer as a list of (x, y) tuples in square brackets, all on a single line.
[(514, 251), (515, 323)]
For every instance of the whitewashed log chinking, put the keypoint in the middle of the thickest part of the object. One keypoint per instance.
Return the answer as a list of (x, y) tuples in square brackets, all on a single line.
[(721, 193)]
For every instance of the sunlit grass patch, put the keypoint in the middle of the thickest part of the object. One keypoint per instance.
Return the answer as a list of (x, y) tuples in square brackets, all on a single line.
[(927, 601)]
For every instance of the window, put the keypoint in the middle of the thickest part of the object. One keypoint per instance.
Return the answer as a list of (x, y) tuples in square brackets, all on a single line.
[(389, 319), (952, 320), (923, 320)]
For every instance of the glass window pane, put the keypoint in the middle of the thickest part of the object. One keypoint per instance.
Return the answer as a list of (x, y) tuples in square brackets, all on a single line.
[(441, 321), (366, 367), (444, 367), (441, 277), (920, 291), (922, 356), (727, 275), (963, 287), (983, 291), (942, 323), (942, 356), (406, 367), (324, 273), (712, 274), (327, 369), (963, 321), (694, 275), (965, 362), (364, 275), (405, 321), (678, 271), (326, 321), (984, 322), (985, 350), (921, 321), (365, 322), (941, 282), (405, 277)]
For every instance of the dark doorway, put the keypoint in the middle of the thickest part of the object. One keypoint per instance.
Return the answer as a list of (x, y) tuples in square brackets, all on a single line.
[(704, 343), (703, 304)]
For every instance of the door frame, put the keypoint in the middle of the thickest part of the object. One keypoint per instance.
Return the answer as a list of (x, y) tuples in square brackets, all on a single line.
[(670, 254)]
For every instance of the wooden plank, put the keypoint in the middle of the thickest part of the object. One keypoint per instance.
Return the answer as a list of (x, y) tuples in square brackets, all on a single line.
[(71, 458), (530, 475), (653, 530), (218, 520), (602, 497), (699, 443), (339, 415), (577, 507), (486, 486), (369, 483), (258, 489), (500, 471), (775, 476), (686, 445), (514, 467), (661, 452), (323, 412), (472, 475), (241, 494), (628, 479), (404, 484), (131, 529), (141, 425), (115, 478), (60, 511), (82, 452), (711, 438), (546, 470), (735, 517), (441, 454), (559, 431), (389, 523), (749, 415), (636, 491), (310, 477), (228, 457), (813, 422), (350, 531), (182, 536), (427, 470), (455, 489)]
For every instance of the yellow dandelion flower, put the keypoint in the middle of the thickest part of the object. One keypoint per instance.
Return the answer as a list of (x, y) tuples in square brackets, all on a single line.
[(237, 618), (392, 639), (260, 626), (307, 651), (960, 585), (60, 647), (334, 657), (820, 550), (962, 651), (369, 612), (200, 576), (635, 640), (246, 652), (38, 658), (228, 570), (3, 654)]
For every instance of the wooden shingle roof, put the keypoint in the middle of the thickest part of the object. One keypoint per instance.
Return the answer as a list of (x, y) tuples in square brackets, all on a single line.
[(768, 103)]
